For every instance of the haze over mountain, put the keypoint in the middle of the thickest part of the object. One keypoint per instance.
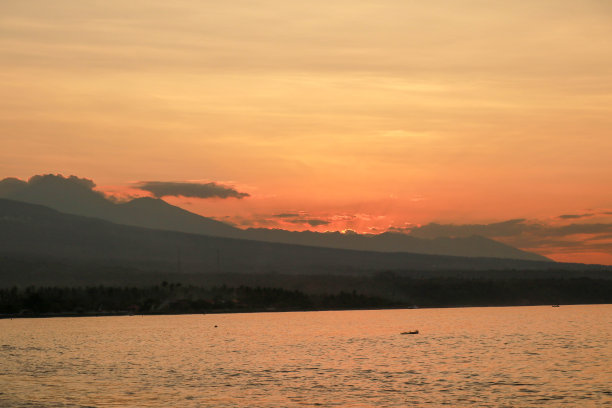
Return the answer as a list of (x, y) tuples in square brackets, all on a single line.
[(75, 195)]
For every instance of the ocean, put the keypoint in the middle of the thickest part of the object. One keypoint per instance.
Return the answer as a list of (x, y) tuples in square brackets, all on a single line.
[(486, 357)]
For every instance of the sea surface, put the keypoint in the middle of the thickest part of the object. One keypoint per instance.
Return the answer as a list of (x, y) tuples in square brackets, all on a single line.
[(497, 357)]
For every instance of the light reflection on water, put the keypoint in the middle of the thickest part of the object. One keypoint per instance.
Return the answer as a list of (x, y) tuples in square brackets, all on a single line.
[(516, 356)]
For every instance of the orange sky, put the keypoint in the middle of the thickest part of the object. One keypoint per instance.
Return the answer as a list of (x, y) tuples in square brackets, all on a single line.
[(365, 114)]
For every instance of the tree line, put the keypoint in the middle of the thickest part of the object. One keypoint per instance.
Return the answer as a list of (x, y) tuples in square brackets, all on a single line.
[(384, 290)]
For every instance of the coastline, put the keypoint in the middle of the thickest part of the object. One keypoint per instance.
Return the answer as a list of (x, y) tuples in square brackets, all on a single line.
[(267, 310), (320, 295)]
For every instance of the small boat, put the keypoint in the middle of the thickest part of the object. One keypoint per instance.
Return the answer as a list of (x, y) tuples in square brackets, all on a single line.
[(411, 332)]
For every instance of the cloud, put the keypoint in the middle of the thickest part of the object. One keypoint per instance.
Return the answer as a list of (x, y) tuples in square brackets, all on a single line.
[(253, 221), (58, 178), (273, 221), (510, 228), (70, 194), (300, 217), (11, 185), (575, 216), (46, 182), (311, 222), (60, 185), (574, 229), (550, 246), (185, 189), (499, 229), (286, 215), (537, 236)]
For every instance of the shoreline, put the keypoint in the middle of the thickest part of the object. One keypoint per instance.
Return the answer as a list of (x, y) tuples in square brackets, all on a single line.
[(385, 294), (265, 310)]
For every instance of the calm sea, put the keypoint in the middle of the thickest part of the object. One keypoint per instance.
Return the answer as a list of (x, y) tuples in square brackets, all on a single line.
[(514, 356)]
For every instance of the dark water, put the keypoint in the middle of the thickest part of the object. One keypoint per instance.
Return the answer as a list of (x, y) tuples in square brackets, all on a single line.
[(517, 356)]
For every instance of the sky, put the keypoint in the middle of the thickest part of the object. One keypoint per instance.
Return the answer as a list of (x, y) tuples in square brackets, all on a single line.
[(437, 117)]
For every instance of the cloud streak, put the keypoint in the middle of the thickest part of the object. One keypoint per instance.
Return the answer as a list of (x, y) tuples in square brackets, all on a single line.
[(511, 228), (310, 221), (282, 220), (499, 229), (575, 216), (545, 238), (186, 189)]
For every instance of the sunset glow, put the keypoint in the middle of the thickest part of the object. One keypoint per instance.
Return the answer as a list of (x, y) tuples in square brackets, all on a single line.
[(328, 116)]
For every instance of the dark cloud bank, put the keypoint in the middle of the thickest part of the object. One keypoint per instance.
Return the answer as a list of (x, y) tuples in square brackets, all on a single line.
[(300, 218), (195, 190), (11, 185), (523, 233), (576, 216)]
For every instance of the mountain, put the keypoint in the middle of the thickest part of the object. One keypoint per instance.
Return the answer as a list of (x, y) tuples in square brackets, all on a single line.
[(75, 195), (158, 214), (474, 246), (30, 230)]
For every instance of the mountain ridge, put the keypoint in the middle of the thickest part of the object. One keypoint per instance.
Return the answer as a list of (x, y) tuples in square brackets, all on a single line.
[(74, 195), (41, 231)]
